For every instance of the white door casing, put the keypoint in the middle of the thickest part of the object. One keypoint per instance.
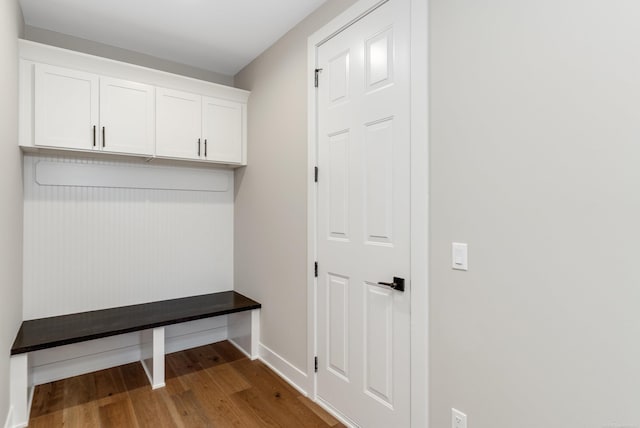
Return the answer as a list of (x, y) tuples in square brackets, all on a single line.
[(363, 219)]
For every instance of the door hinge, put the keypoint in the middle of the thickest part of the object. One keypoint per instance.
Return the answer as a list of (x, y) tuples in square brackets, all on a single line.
[(317, 72), (315, 174), (315, 364), (315, 269)]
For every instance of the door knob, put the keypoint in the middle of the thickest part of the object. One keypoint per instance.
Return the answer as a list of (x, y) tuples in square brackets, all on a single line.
[(397, 284)]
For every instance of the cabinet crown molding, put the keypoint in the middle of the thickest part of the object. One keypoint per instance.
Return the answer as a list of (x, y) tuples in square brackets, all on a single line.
[(52, 55)]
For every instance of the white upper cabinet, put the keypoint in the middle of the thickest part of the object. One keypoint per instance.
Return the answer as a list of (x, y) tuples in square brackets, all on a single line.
[(66, 107), (222, 130), (79, 102), (127, 119), (70, 112), (178, 124), (191, 126)]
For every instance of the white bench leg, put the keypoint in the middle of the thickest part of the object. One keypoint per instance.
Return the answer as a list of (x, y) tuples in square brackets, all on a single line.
[(255, 333), (153, 356), (244, 331), (19, 390)]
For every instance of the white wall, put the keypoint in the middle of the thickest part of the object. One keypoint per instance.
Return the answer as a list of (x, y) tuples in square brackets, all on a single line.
[(88, 248), (10, 194), (535, 162), (271, 193), (107, 51)]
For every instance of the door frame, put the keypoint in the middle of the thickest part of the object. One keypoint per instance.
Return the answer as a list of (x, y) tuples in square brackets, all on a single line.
[(419, 194)]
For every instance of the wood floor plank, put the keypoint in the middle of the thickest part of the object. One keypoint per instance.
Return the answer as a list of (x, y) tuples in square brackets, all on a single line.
[(86, 415), (170, 406), (210, 386), (79, 390), (133, 376), (218, 405), (108, 383), (228, 351), (48, 420), (320, 412), (228, 378), (183, 363), (152, 410), (173, 368), (249, 402), (117, 414), (47, 399), (205, 356), (281, 393), (190, 410)]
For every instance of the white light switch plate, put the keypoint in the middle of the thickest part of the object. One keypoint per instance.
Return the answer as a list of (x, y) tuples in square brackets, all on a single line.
[(458, 419), (459, 257)]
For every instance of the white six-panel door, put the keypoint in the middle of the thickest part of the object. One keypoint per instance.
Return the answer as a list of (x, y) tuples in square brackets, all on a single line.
[(363, 330)]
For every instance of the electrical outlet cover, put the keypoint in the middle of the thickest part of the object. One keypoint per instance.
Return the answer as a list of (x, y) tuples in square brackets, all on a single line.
[(458, 419)]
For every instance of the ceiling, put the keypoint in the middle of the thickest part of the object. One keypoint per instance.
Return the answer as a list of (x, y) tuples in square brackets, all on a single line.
[(216, 35)]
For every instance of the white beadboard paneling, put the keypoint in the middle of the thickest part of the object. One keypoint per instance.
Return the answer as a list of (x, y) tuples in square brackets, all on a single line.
[(88, 248), (131, 176)]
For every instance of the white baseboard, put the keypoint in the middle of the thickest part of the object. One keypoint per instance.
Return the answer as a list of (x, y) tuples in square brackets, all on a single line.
[(193, 340), (287, 371), (296, 377), (336, 414), (8, 422), (240, 348), (86, 357)]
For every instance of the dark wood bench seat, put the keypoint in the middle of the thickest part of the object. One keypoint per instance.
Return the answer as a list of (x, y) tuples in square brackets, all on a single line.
[(50, 332), (243, 329)]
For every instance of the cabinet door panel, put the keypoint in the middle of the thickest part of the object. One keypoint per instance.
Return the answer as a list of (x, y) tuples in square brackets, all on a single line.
[(222, 129), (66, 107), (178, 124), (127, 116)]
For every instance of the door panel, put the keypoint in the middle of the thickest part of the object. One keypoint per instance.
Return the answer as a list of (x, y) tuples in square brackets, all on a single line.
[(378, 334), (66, 107), (338, 185), (338, 329), (378, 61), (127, 116), (363, 234), (378, 185), (339, 77)]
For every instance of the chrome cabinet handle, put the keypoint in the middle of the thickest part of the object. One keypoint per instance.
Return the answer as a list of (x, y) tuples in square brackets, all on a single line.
[(94, 135), (104, 140), (397, 284), (205, 147), (198, 146)]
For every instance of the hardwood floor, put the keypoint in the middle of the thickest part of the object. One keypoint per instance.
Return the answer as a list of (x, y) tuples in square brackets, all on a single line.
[(209, 386)]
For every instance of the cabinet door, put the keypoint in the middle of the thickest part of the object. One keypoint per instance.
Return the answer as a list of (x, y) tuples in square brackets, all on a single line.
[(66, 107), (127, 117), (222, 130), (178, 124)]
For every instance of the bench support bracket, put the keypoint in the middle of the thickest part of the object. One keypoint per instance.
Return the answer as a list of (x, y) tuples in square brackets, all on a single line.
[(153, 356), (244, 332), (21, 390)]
